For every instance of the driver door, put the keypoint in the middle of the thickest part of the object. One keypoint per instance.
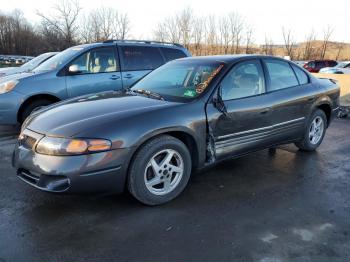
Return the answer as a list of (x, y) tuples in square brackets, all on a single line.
[(246, 124), (99, 71)]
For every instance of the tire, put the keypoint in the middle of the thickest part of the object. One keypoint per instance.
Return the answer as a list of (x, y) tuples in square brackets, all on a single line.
[(32, 106), (312, 142), (159, 182)]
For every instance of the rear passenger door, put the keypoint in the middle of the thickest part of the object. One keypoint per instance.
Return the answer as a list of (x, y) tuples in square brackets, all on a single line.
[(137, 61), (98, 71), (292, 96)]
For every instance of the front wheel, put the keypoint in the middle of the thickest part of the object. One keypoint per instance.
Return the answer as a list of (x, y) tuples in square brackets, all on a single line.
[(315, 131), (160, 170)]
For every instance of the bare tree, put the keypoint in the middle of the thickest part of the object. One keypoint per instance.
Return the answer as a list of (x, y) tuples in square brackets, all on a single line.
[(184, 21), (268, 46), (289, 42), (198, 34), (236, 26), (64, 20), (327, 33), (309, 45), (248, 39), (340, 47), (225, 34), (211, 35)]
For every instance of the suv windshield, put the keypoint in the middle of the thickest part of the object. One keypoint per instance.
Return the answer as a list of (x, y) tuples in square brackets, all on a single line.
[(56, 61), (180, 79)]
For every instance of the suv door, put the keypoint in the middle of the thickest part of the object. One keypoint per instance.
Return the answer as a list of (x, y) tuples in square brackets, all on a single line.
[(137, 61), (99, 71), (247, 123), (293, 95)]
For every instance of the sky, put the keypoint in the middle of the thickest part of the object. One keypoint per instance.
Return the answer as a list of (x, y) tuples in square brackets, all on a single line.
[(267, 17)]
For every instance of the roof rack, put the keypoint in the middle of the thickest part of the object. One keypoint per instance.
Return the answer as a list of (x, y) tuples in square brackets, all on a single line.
[(141, 41)]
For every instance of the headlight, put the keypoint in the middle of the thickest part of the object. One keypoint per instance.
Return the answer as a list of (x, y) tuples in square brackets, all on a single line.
[(63, 146), (8, 86)]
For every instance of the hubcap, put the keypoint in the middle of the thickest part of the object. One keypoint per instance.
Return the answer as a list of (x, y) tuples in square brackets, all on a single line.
[(316, 130), (164, 172)]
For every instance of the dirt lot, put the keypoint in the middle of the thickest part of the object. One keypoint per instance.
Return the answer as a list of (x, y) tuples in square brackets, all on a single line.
[(287, 206)]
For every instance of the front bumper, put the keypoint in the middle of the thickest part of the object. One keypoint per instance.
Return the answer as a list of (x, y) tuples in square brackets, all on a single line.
[(9, 105), (103, 172)]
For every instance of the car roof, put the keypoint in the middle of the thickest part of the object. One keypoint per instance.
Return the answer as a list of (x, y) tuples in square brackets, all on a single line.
[(132, 43), (229, 58)]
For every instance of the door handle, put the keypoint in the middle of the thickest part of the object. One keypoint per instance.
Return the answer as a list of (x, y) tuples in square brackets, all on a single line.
[(128, 76), (114, 77)]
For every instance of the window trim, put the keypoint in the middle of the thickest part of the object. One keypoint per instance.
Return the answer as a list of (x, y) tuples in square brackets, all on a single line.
[(267, 75), (177, 49), (233, 67), (307, 75), (135, 70), (66, 67)]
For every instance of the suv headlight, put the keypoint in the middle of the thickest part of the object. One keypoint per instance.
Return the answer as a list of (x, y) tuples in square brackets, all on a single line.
[(8, 86), (64, 146)]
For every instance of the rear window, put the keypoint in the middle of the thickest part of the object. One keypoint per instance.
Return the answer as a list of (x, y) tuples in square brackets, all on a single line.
[(171, 53), (281, 75), (301, 75), (141, 58)]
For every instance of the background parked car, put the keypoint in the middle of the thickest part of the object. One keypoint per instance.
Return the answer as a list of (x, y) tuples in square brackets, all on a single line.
[(341, 68), (27, 67), (80, 70), (314, 66)]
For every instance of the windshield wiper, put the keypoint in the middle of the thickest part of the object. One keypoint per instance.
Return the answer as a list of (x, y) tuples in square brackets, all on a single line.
[(147, 93)]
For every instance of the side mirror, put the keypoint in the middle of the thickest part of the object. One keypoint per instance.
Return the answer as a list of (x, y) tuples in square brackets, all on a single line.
[(74, 69)]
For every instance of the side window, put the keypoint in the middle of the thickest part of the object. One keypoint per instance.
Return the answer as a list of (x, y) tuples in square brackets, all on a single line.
[(100, 60), (244, 80), (171, 53), (281, 75), (141, 58), (301, 75), (311, 64), (347, 66)]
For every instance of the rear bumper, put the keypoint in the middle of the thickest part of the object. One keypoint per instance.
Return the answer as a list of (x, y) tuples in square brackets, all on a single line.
[(103, 172)]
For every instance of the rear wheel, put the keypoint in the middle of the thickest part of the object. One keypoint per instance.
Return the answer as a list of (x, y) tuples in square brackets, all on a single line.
[(159, 171), (33, 106), (315, 131)]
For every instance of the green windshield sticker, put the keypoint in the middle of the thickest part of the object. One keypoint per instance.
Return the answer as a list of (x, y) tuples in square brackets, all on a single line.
[(190, 93)]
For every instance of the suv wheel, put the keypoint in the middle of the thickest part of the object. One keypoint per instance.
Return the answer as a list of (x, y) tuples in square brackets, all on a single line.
[(315, 131), (159, 171)]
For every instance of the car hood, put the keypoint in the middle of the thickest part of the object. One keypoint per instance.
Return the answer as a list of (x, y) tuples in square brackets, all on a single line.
[(15, 76), (73, 116), (9, 71)]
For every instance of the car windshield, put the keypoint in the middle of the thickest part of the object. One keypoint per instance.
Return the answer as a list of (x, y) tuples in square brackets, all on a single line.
[(180, 79), (56, 61), (36, 61), (341, 65)]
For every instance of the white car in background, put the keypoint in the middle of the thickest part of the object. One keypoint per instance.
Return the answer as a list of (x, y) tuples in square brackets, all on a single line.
[(27, 67), (340, 68)]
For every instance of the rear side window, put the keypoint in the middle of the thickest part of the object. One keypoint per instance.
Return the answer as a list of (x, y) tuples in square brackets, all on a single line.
[(301, 75), (141, 58), (171, 53), (281, 75)]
